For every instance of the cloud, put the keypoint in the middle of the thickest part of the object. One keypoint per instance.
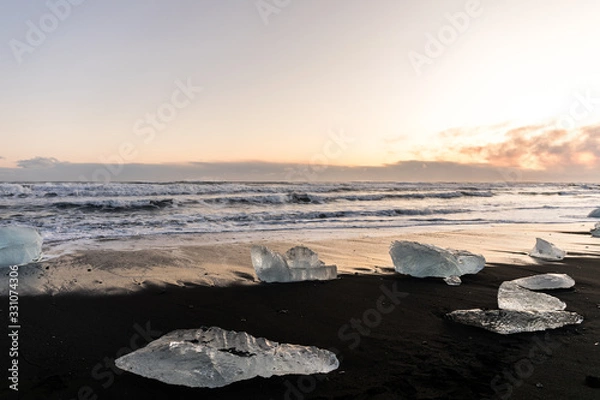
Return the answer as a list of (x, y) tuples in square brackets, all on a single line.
[(472, 132), (526, 153), (38, 163), (395, 139), (403, 171), (533, 147)]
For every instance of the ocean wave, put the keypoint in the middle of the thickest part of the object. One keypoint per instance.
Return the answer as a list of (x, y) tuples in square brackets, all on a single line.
[(116, 190), (311, 198), (290, 198), (418, 195), (113, 190), (333, 215), (14, 190), (116, 205), (549, 193)]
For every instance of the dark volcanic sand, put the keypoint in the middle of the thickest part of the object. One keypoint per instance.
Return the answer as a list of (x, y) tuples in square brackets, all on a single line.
[(412, 352)]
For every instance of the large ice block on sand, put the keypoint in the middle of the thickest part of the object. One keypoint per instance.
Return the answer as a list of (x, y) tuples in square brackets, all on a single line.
[(298, 264), (19, 245), (508, 322), (213, 357), (545, 250), (424, 260), (595, 213)]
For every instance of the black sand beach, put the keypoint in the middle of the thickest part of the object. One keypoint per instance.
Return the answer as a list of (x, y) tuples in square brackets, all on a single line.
[(390, 332)]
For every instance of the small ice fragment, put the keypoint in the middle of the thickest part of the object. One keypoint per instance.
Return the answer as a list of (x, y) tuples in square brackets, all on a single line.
[(299, 264), (424, 260), (511, 296), (19, 245), (595, 213), (453, 280), (214, 357), (507, 322), (545, 250)]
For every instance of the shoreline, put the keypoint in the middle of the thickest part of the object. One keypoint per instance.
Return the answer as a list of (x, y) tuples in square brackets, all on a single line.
[(123, 266)]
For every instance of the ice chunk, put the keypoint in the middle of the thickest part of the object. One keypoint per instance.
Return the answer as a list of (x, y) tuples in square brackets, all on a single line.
[(596, 231), (424, 260), (521, 309), (546, 282), (517, 294), (19, 245), (511, 296), (508, 322), (545, 250), (453, 280), (213, 357), (299, 264), (302, 257), (595, 213), (269, 266)]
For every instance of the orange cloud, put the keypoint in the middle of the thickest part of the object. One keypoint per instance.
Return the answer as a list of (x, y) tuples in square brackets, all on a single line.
[(536, 147)]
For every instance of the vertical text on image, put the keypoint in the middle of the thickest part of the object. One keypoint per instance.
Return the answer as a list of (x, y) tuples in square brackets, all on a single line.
[(13, 327)]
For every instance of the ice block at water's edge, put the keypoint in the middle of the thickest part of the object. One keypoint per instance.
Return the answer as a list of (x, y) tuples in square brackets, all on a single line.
[(596, 231), (19, 245), (508, 322), (213, 357), (545, 250), (424, 260), (299, 264)]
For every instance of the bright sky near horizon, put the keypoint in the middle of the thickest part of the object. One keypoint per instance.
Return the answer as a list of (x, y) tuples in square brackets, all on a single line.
[(506, 83)]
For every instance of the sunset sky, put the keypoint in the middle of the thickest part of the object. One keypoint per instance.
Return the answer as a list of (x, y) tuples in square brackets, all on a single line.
[(199, 89)]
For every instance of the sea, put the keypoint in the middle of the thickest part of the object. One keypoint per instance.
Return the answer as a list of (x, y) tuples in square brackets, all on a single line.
[(63, 211)]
